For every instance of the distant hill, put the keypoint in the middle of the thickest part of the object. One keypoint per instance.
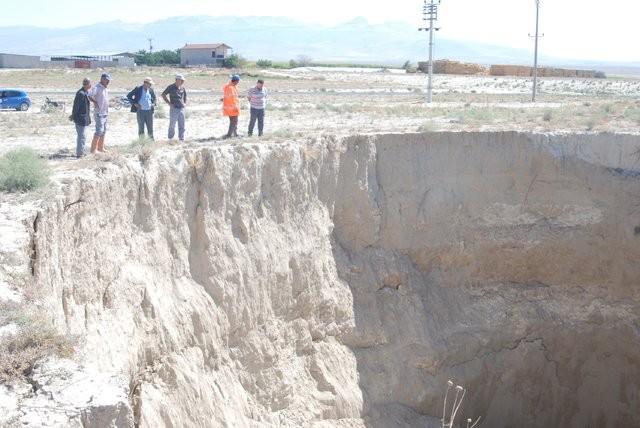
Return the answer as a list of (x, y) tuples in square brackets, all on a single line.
[(272, 38)]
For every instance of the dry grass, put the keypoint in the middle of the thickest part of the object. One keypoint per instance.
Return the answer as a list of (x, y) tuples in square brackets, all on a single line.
[(32, 339)]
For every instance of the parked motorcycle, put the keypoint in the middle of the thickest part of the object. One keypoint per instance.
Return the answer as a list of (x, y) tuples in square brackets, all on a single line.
[(122, 102), (50, 104)]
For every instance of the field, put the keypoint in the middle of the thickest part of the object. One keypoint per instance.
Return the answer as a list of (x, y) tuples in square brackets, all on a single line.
[(309, 102), (339, 282)]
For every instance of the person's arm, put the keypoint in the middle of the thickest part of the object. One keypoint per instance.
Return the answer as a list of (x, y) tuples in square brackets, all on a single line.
[(76, 107), (90, 95), (164, 97), (133, 95)]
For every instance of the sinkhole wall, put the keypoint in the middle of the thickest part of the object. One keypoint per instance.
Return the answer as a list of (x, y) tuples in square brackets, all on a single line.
[(342, 282)]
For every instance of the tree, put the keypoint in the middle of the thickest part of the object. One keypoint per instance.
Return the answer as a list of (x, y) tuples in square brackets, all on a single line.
[(162, 57), (304, 61), (264, 63), (235, 61)]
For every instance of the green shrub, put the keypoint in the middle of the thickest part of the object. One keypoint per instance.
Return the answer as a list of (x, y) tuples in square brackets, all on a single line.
[(235, 61), (22, 170), (265, 63)]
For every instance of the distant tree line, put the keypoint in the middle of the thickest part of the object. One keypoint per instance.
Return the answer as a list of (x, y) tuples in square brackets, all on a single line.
[(163, 57), (169, 57)]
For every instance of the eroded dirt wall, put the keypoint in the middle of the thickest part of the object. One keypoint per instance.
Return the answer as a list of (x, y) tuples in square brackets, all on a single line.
[(343, 282), (507, 262)]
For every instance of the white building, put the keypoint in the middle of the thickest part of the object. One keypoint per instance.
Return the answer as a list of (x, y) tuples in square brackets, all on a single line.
[(204, 54)]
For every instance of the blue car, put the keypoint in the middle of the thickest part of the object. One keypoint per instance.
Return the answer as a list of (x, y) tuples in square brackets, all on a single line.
[(15, 99)]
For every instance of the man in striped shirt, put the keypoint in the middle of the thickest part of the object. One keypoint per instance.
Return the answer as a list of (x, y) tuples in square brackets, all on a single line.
[(257, 97)]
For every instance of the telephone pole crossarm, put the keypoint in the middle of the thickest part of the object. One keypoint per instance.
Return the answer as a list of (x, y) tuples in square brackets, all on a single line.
[(430, 12)]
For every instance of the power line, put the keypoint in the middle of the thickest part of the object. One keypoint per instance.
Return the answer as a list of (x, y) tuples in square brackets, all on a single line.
[(430, 12)]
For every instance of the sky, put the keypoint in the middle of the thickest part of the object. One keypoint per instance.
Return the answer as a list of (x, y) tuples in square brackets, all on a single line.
[(572, 29)]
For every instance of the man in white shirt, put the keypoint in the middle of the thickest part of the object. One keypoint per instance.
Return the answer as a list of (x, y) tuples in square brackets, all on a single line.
[(100, 98), (257, 97)]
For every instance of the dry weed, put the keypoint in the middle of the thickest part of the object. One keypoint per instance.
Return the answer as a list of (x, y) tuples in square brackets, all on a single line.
[(32, 339)]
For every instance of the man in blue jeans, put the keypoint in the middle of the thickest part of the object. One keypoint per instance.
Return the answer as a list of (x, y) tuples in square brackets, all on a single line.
[(81, 116), (257, 97), (176, 96), (143, 104), (99, 96)]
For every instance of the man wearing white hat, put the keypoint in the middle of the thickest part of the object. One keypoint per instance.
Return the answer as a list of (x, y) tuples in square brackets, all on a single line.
[(176, 96), (143, 104)]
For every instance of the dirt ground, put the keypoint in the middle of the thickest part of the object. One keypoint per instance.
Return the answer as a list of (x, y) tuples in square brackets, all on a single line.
[(305, 102)]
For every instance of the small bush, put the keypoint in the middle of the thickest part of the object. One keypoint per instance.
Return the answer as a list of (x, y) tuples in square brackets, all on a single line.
[(32, 340), (265, 63), (235, 61), (22, 170), (143, 146)]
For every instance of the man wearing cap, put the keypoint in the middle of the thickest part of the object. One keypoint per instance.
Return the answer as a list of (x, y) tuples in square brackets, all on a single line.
[(100, 98), (81, 116), (231, 105), (143, 104), (176, 96)]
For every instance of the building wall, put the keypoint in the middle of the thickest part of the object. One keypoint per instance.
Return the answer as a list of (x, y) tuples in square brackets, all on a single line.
[(201, 57), (19, 61), (30, 61)]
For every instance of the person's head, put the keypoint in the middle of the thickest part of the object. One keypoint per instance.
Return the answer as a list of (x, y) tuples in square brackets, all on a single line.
[(86, 83), (179, 79), (235, 79), (260, 83), (105, 79), (147, 82)]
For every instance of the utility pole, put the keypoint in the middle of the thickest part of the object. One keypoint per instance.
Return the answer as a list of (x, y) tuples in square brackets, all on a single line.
[(150, 45), (430, 12), (535, 54)]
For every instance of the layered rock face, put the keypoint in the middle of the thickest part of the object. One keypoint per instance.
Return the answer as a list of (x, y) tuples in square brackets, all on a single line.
[(342, 282)]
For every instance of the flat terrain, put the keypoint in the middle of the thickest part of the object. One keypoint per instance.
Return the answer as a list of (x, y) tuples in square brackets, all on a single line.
[(309, 102), (339, 283)]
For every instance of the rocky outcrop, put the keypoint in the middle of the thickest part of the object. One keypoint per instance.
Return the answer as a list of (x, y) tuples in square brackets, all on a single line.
[(342, 282)]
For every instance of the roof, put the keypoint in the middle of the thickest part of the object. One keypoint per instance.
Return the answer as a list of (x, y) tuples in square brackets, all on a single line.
[(205, 46)]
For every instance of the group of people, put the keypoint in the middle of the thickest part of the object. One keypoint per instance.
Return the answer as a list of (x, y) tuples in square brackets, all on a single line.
[(143, 103)]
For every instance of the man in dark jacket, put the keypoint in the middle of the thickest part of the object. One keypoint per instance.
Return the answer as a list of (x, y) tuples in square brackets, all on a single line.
[(81, 115), (143, 103)]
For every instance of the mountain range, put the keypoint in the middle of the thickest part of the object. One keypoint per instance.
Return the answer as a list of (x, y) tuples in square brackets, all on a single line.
[(271, 38)]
